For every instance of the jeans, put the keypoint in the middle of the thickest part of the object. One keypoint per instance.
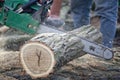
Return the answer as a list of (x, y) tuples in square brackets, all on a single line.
[(105, 9)]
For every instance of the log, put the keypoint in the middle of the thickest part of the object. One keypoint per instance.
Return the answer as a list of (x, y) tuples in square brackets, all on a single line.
[(47, 53), (9, 51), (13, 42), (9, 60)]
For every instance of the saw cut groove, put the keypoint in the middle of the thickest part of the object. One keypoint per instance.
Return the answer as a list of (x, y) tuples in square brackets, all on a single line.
[(39, 55), (37, 59)]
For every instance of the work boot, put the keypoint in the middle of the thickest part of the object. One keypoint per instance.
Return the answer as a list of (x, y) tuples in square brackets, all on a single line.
[(54, 21)]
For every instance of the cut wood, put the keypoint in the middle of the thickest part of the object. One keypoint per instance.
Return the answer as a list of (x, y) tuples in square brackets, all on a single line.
[(38, 59)]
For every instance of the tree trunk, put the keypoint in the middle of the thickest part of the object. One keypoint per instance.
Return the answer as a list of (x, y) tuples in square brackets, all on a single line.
[(48, 52)]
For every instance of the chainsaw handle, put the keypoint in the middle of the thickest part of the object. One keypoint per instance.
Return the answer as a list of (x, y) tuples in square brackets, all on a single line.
[(31, 2)]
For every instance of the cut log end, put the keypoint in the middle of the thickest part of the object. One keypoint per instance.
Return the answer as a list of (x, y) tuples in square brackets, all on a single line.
[(37, 59)]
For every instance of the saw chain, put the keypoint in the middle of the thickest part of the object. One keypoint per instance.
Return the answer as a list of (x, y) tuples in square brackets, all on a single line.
[(98, 50)]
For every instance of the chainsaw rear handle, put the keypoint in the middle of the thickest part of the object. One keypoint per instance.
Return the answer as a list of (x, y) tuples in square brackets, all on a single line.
[(31, 2), (25, 6)]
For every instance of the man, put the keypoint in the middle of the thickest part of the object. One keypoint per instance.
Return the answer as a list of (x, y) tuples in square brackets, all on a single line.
[(105, 9)]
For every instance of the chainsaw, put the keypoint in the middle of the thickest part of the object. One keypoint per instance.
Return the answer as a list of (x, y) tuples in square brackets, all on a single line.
[(27, 15), (24, 15)]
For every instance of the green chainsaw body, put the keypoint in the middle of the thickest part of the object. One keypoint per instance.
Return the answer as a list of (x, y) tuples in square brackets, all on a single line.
[(20, 21)]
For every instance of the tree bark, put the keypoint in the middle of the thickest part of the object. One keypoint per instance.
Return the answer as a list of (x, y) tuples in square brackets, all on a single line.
[(59, 49)]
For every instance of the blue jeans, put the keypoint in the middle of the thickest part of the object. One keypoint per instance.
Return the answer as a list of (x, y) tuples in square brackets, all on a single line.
[(105, 9)]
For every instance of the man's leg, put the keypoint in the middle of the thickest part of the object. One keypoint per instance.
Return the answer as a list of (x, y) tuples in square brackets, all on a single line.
[(81, 12), (107, 10), (54, 15)]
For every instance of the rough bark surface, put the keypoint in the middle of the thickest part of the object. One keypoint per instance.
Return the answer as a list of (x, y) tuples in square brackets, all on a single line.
[(66, 46)]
